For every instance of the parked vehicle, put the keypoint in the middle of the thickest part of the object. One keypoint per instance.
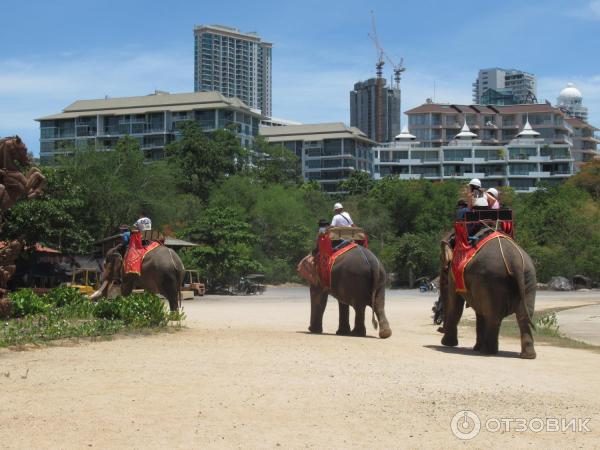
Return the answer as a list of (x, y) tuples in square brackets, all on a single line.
[(252, 284), (191, 282), (85, 280)]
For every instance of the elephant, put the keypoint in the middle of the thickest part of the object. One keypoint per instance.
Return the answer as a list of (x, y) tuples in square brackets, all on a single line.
[(357, 280), (162, 273), (499, 280)]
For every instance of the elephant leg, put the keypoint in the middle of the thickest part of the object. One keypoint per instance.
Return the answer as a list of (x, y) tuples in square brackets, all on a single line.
[(480, 325), (344, 322), (452, 314), (359, 321), (527, 349), (172, 294), (489, 343), (384, 326), (318, 302)]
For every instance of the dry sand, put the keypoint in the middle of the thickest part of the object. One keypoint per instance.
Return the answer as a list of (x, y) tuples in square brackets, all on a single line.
[(244, 374)]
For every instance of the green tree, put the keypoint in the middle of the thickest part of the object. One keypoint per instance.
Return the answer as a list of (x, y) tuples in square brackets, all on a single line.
[(205, 160), (276, 164), (357, 183), (226, 246)]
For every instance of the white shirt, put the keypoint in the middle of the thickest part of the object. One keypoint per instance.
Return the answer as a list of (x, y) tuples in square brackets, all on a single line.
[(342, 219), (143, 224)]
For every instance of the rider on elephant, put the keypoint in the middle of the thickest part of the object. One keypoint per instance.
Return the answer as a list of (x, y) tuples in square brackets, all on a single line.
[(341, 218)]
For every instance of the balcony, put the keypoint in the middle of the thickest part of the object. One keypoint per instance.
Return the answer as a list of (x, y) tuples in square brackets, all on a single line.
[(399, 161), (538, 174), (474, 174), (410, 176), (474, 160)]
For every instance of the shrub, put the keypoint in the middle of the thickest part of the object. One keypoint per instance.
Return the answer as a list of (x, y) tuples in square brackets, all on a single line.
[(137, 310), (26, 302), (63, 296)]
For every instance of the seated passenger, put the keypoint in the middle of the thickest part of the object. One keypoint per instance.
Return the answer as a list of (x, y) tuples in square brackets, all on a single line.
[(474, 192), (492, 197), (463, 209), (340, 217)]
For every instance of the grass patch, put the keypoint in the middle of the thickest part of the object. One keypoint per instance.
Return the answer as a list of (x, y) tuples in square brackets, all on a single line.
[(64, 313), (547, 330)]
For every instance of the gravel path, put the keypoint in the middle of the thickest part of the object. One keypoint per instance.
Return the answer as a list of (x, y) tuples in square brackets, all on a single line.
[(245, 374)]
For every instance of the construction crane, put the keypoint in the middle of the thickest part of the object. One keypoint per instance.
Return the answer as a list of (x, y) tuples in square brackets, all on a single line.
[(378, 82), (398, 69), (380, 53)]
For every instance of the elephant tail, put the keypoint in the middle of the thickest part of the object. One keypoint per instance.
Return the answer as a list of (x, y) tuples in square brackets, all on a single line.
[(375, 279), (525, 282)]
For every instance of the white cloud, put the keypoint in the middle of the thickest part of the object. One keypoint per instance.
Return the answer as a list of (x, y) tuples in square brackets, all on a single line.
[(35, 86), (590, 11)]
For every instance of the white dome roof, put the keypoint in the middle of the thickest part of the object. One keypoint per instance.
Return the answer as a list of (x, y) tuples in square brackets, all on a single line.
[(570, 93)]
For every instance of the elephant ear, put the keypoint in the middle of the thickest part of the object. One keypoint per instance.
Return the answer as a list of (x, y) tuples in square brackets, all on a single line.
[(447, 254)]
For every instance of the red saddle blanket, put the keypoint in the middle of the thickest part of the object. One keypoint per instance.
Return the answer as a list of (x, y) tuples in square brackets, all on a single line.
[(135, 257), (464, 252), (326, 259)]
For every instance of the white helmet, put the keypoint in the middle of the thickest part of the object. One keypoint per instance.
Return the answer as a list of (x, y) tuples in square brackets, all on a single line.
[(337, 206), (475, 182), (480, 202), (493, 192)]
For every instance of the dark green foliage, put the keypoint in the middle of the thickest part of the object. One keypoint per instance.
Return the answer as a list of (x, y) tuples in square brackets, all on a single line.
[(205, 160), (276, 164), (26, 302), (358, 183), (65, 313), (136, 310), (226, 246)]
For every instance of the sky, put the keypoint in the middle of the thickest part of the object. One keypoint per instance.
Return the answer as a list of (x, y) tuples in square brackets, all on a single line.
[(55, 52)]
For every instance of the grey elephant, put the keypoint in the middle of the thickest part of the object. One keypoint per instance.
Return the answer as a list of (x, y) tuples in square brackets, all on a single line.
[(162, 273), (357, 280), (499, 280)]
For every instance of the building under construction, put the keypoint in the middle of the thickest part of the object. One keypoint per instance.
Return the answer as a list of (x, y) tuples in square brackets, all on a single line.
[(375, 109)]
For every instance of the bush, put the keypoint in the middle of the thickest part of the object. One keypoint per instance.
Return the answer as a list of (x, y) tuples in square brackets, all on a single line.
[(137, 310), (25, 302), (65, 296)]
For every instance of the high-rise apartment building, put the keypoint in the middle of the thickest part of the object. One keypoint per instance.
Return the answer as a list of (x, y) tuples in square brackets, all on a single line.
[(498, 86), (233, 63), (328, 152), (153, 120), (363, 110)]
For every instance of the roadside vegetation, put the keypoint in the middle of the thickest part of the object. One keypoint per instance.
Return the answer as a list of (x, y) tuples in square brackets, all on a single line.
[(252, 212), (64, 313)]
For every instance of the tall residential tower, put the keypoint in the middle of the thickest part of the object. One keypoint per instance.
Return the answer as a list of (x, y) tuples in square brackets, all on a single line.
[(233, 63), (497, 86), (363, 110)]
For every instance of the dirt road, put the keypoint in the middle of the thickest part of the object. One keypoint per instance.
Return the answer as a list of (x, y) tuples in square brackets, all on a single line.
[(245, 374)]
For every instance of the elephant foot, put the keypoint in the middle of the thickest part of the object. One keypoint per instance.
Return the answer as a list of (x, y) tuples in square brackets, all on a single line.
[(343, 332), (315, 330), (528, 354), (450, 341), (488, 349), (360, 332), (477, 347), (385, 333)]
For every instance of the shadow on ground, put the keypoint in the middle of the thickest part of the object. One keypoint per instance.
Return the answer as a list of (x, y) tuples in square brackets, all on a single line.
[(469, 351)]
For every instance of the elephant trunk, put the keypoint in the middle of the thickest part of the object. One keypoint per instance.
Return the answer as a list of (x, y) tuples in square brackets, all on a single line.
[(100, 292)]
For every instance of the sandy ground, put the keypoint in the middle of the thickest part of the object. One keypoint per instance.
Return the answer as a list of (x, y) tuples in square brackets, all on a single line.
[(245, 374)]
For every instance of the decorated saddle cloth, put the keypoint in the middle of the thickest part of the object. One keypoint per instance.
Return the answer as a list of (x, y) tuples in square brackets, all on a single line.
[(464, 252), (327, 257), (135, 257)]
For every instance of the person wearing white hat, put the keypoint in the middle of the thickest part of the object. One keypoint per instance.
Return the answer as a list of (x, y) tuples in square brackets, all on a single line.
[(474, 192), (492, 196), (340, 217)]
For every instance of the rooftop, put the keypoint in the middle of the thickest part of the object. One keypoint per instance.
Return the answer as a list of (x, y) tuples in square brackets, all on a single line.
[(159, 101), (445, 108), (316, 132)]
